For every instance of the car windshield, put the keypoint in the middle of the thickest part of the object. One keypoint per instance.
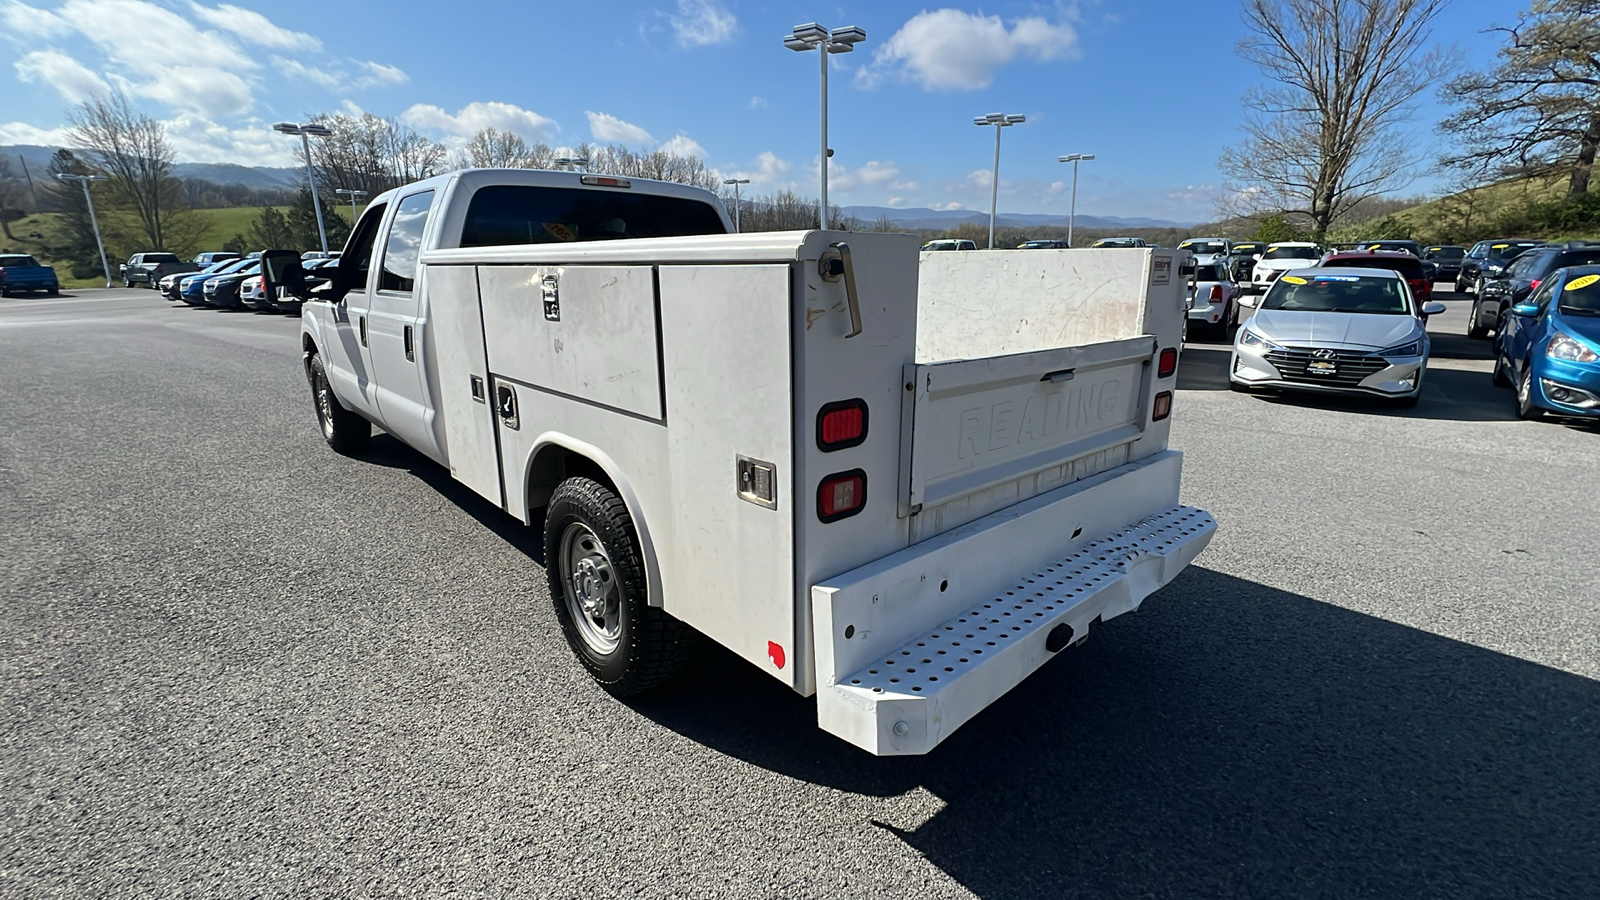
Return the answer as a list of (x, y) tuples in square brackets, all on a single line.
[(18, 262), (1337, 293), (216, 267), (1408, 267), (1581, 296), (523, 214), (1446, 253), (1113, 243), (232, 265), (1246, 248), (1291, 253), (1204, 247), (1509, 249), (1208, 273)]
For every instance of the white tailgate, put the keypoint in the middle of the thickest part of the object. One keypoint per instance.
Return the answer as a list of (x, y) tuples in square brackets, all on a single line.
[(603, 349), (974, 424)]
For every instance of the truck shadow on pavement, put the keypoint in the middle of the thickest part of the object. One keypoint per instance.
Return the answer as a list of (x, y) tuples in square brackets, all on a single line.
[(1231, 739)]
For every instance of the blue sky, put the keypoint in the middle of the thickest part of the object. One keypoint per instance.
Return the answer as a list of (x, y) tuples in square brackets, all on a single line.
[(1152, 87)]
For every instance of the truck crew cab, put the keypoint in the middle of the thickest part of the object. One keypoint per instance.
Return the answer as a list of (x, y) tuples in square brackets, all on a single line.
[(898, 481)]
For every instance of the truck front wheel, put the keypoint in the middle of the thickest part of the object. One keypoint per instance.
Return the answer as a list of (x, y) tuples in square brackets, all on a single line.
[(344, 431), (598, 588)]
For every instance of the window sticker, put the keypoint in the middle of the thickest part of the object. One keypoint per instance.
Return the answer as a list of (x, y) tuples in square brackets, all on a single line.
[(1578, 284), (1294, 279)]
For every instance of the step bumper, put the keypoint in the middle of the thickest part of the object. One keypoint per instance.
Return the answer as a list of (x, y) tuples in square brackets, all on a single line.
[(911, 694)]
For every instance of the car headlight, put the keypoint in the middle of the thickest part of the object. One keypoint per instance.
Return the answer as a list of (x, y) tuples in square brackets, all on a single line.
[(1248, 338), (1564, 347), (1411, 348)]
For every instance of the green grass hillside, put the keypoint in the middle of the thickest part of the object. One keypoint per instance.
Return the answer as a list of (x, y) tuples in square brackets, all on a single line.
[(216, 227), (1463, 216)]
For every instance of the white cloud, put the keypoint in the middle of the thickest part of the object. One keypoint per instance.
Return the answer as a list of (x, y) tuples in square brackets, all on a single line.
[(254, 28), (700, 23), (980, 178), (949, 49), (894, 201), (683, 145), (609, 128), (758, 103), (23, 21), (951, 205), (23, 133), (209, 91), (296, 69), (379, 75), (251, 143), (873, 174), (476, 116), (71, 79)]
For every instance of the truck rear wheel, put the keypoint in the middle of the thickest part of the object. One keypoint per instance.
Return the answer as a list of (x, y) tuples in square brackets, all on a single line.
[(344, 431), (597, 585)]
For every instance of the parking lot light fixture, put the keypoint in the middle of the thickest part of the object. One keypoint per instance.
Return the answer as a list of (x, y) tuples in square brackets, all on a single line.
[(307, 130), (999, 121), (85, 180), (354, 196), (836, 40), (736, 182), (573, 163), (1072, 210)]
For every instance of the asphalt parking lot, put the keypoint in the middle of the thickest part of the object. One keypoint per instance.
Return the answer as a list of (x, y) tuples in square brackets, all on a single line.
[(235, 663)]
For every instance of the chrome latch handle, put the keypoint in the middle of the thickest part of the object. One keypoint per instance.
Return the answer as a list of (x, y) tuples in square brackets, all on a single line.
[(835, 265)]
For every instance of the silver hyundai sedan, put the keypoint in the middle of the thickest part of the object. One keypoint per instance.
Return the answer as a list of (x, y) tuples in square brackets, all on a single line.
[(1348, 331)]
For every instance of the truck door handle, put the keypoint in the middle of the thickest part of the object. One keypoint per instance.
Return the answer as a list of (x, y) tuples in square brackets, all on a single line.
[(505, 405), (362, 320), (411, 355), (836, 265)]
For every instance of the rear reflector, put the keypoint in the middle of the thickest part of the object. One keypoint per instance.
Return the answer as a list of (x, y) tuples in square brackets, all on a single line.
[(842, 424), (1168, 363), (606, 181), (841, 496), (1163, 407)]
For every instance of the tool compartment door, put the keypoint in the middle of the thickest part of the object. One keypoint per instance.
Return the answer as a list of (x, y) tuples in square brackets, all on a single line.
[(973, 424), (584, 332)]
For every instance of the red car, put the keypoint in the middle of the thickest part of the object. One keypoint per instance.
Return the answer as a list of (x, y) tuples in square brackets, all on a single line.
[(1409, 267)]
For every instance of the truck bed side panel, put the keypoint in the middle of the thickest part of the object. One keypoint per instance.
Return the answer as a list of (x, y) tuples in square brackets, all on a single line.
[(725, 343), (457, 330), (601, 350)]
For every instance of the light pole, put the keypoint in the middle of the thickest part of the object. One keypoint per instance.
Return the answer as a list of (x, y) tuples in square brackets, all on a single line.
[(354, 196), (305, 130), (736, 182), (93, 220), (837, 40), (1072, 213), (572, 162), (999, 121)]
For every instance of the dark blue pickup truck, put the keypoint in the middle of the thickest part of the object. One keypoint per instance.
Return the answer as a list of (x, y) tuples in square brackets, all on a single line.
[(20, 273)]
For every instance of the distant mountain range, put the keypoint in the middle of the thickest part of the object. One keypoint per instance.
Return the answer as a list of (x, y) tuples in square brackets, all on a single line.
[(949, 218), (254, 177), (265, 178)]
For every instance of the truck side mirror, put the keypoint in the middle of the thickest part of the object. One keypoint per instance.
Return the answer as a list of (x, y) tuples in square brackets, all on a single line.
[(282, 274)]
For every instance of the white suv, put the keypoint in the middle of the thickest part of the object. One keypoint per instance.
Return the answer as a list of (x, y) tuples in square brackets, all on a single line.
[(1281, 258)]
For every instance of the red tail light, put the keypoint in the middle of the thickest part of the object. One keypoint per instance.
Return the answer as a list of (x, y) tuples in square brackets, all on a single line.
[(841, 496), (1535, 285), (1216, 292), (1163, 406), (842, 424), (1168, 362)]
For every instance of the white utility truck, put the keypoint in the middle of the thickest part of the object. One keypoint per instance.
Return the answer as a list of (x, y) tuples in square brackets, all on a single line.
[(899, 482)]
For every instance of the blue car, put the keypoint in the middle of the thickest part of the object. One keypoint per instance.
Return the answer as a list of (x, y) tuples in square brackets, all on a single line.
[(191, 289), (1549, 347)]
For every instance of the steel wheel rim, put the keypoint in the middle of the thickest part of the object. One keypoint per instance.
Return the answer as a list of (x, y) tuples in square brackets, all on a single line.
[(325, 407), (590, 589), (1525, 387)]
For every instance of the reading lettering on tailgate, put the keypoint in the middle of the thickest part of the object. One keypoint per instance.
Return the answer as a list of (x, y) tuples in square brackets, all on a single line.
[(1052, 413)]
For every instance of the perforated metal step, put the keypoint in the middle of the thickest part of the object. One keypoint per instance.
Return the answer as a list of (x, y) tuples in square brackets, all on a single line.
[(924, 689)]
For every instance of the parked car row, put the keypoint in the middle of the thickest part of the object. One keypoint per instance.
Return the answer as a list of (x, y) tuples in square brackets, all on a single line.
[(237, 284)]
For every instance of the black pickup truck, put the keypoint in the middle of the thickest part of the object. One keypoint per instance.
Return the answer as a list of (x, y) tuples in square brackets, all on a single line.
[(149, 268)]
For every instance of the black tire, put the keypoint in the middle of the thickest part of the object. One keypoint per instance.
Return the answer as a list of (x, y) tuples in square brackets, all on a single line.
[(1474, 330), (127, 282), (1526, 408), (598, 589), (53, 292), (345, 431), (1501, 379)]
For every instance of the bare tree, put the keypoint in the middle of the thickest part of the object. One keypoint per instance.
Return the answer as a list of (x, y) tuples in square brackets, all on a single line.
[(373, 154), (131, 149), (12, 193), (1343, 75), (1537, 112), (492, 148)]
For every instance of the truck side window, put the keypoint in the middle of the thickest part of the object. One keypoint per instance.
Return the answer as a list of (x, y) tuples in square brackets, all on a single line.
[(405, 243), (356, 261)]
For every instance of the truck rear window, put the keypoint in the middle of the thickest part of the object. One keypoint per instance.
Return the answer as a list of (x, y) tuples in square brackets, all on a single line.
[(524, 214), (160, 258)]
